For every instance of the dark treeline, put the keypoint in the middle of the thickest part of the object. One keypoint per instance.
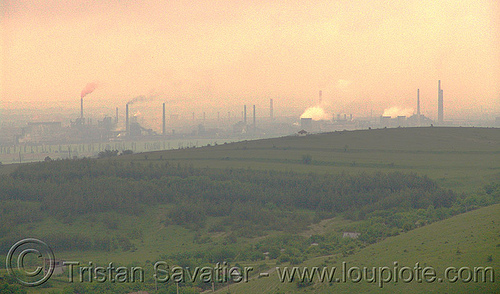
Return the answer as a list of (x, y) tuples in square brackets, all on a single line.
[(69, 187), (247, 202)]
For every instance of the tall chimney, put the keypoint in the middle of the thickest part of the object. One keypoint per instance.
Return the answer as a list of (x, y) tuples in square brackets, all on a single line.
[(164, 131), (440, 103), (126, 120), (81, 108), (418, 103), (320, 96), (245, 114), (116, 119), (254, 127), (271, 110)]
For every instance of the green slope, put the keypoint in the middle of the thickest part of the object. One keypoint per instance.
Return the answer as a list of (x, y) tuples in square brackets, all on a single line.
[(458, 158), (463, 159), (467, 240)]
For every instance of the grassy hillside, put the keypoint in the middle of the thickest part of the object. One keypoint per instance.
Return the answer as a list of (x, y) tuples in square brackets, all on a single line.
[(458, 158), (461, 159), (467, 240)]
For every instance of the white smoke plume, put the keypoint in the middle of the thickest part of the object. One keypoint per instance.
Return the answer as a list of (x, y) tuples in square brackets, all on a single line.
[(316, 113), (397, 111), (343, 85)]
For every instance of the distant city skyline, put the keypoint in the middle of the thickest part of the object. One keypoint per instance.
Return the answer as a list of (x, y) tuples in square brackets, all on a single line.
[(201, 56)]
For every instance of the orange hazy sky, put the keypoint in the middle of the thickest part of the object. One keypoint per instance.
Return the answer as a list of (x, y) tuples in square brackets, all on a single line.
[(363, 55)]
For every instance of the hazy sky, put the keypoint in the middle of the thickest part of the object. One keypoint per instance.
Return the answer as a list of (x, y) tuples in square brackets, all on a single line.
[(364, 55)]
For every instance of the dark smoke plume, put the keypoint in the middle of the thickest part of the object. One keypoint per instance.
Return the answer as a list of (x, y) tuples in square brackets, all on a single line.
[(143, 98)]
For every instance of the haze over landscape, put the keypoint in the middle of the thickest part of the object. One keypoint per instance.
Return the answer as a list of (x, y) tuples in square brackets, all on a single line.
[(325, 146), (364, 55)]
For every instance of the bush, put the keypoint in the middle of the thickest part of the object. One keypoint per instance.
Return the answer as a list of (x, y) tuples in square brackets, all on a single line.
[(107, 153), (187, 214), (306, 159), (127, 152)]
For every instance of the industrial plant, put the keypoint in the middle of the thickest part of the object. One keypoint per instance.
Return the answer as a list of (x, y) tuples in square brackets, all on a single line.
[(87, 135)]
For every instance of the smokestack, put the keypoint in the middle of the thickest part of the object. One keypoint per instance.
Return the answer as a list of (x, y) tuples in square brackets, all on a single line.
[(89, 88), (116, 119), (204, 117), (245, 114), (271, 114), (320, 98), (163, 120), (440, 103), (193, 115), (126, 120), (254, 118), (418, 103)]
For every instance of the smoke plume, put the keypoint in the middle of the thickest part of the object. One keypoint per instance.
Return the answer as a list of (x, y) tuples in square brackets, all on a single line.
[(316, 113), (143, 98), (396, 111), (89, 88)]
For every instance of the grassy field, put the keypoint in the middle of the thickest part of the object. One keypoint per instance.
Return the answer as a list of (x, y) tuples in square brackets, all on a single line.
[(467, 240), (462, 159), (458, 158)]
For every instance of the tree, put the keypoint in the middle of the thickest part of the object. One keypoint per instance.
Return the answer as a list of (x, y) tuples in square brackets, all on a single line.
[(306, 159), (107, 153), (127, 152)]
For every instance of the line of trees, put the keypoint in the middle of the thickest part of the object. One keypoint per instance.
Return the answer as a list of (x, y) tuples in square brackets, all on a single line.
[(247, 202), (95, 186)]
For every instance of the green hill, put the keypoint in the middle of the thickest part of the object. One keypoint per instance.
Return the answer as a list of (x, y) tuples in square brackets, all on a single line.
[(468, 240), (194, 206), (458, 158)]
